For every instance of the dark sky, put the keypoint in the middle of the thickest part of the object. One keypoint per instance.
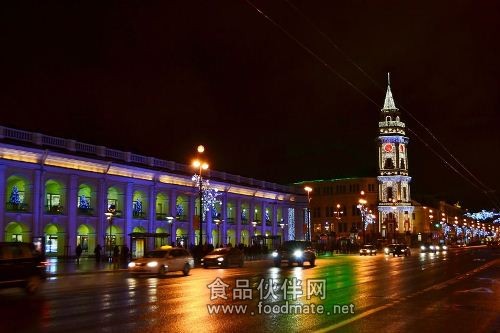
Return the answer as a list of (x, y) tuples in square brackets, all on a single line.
[(160, 77)]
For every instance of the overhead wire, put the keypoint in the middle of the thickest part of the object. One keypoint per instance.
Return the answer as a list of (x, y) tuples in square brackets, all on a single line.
[(477, 184), (484, 188)]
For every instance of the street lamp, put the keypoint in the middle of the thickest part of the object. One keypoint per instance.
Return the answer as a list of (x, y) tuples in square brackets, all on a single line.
[(217, 223), (109, 217), (338, 216), (254, 224), (308, 224), (362, 208), (282, 225), (198, 163), (170, 220)]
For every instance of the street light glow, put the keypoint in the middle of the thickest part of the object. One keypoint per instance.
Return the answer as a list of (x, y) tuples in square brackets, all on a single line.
[(201, 149)]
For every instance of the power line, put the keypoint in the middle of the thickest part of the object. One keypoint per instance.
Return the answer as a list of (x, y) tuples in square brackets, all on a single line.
[(482, 187)]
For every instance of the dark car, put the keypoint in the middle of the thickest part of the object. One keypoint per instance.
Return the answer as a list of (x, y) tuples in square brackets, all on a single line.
[(389, 249), (223, 257), (401, 250), (21, 266), (368, 250), (427, 248), (295, 252)]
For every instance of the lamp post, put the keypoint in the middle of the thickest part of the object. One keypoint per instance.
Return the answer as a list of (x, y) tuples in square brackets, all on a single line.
[(308, 224), (109, 217), (362, 208), (170, 220), (198, 163), (338, 216), (282, 226), (254, 223), (217, 223)]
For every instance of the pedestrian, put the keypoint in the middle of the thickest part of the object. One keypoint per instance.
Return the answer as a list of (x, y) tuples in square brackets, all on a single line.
[(125, 253), (97, 253), (116, 254), (78, 253)]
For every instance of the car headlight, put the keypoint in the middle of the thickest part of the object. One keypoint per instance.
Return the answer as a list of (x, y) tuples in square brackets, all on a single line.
[(297, 253), (432, 247), (445, 247), (131, 264), (374, 251), (220, 259), (152, 264), (422, 248), (275, 254), (386, 250)]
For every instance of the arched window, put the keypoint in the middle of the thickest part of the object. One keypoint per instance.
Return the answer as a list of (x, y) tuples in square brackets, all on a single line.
[(388, 118), (402, 164), (389, 194), (388, 164)]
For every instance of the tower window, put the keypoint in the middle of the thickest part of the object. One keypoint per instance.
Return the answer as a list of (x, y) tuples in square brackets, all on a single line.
[(402, 164), (388, 118), (388, 164), (389, 194), (404, 193)]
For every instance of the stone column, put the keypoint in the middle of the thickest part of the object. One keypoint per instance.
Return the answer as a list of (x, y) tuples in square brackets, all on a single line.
[(151, 215), (35, 202), (223, 228), (129, 197), (191, 229), (172, 211), (102, 208), (238, 222), (72, 223)]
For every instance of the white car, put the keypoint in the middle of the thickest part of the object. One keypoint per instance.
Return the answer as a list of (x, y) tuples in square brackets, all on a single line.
[(163, 261)]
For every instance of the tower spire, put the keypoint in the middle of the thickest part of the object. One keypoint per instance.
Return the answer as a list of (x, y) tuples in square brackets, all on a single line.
[(389, 100)]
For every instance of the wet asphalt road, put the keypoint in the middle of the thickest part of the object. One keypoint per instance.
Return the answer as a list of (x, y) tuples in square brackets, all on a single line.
[(455, 291)]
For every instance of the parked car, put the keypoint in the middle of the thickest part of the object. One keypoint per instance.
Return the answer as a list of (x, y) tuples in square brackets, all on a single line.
[(389, 249), (401, 250), (163, 261), (366, 250), (21, 266), (295, 252), (223, 257)]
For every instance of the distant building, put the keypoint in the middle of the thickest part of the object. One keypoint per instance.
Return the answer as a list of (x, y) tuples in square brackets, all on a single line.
[(58, 191), (334, 207)]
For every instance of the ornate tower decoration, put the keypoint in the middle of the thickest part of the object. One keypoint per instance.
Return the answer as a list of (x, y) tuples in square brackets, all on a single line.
[(395, 209)]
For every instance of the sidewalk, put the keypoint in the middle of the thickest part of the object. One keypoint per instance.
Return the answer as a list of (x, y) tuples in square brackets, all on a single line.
[(69, 266)]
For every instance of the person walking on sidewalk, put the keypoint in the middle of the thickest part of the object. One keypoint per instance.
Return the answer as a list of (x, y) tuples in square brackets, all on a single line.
[(116, 255), (78, 253), (97, 253)]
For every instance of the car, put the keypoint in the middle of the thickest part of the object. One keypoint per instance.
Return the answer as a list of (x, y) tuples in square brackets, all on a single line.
[(428, 248), (223, 257), (441, 247), (401, 250), (295, 251), (162, 261), (389, 249), (368, 250), (21, 266)]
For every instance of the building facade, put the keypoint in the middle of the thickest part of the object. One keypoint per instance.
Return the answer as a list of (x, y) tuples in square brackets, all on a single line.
[(395, 208), (59, 191), (334, 211)]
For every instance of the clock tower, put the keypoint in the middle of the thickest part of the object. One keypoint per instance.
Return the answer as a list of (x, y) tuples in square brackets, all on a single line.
[(394, 206)]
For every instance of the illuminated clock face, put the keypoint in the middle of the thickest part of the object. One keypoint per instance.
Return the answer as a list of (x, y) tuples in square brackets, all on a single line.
[(388, 147)]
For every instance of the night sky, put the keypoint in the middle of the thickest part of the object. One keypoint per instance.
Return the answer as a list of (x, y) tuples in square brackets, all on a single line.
[(158, 78)]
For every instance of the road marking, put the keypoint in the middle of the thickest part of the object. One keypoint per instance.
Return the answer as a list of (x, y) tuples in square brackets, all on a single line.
[(383, 307)]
